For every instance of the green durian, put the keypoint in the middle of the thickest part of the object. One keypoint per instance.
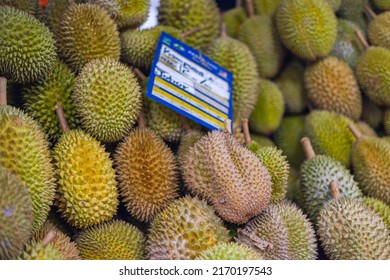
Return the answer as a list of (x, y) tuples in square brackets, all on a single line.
[(372, 113), (265, 7), (379, 207), (38, 251), (229, 251), (233, 19), (382, 4), (379, 30), (52, 16)]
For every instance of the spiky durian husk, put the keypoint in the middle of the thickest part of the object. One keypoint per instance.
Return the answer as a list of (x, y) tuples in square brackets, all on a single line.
[(379, 31), (269, 109), (86, 33), (236, 57), (316, 176), (379, 207), (87, 191), (265, 7), (335, 4), (348, 230), (329, 134), (27, 50), (187, 141), (42, 97), (16, 216), (61, 241), (372, 73), (186, 228), (382, 4), (24, 151), (281, 232), (328, 91), (114, 240), (264, 44), (126, 13), (147, 174), (365, 128), (38, 251), (139, 46), (187, 15), (53, 14), (292, 20), (229, 251), (229, 176), (371, 163), (233, 19), (107, 98), (29, 6)]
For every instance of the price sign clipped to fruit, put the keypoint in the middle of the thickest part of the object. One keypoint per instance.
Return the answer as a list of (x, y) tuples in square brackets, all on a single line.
[(191, 84)]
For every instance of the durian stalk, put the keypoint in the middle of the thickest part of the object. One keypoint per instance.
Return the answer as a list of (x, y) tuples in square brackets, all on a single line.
[(61, 118), (247, 135), (3, 91), (189, 32), (141, 120), (370, 11), (358, 135), (334, 189), (139, 74), (49, 237), (361, 39), (307, 148), (250, 9)]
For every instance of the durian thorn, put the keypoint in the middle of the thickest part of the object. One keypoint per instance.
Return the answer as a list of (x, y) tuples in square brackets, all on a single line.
[(334, 189), (190, 32), (249, 8), (223, 30), (257, 241), (49, 237), (228, 126), (184, 122), (139, 74), (3, 91), (307, 148), (61, 118), (370, 11), (361, 39), (245, 127), (358, 135), (141, 120), (238, 3)]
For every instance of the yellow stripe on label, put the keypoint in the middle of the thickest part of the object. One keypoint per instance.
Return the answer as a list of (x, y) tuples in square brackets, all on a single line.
[(201, 103), (189, 106)]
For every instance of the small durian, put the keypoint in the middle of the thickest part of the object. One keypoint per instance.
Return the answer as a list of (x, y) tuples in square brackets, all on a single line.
[(233, 19), (114, 240), (353, 10), (379, 207), (42, 249), (186, 228), (53, 14), (229, 251), (294, 192), (262, 141), (379, 29), (16, 215)]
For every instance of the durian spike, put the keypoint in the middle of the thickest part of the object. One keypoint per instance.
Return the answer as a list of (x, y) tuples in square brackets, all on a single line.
[(141, 120), (250, 9), (189, 32), (238, 3), (370, 11), (61, 118), (361, 39), (49, 237), (228, 126), (358, 135), (334, 189), (3, 91), (139, 74), (307, 148), (245, 127)]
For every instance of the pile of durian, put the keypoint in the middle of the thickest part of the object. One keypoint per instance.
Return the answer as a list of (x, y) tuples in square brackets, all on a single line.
[(92, 169)]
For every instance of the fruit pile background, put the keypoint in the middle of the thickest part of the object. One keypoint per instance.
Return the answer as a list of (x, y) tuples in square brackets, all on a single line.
[(92, 169)]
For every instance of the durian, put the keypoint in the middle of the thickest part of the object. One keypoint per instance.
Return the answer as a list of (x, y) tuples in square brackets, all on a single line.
[(233, 19), (42, 249), (265, 7), (379, 207), (229, 251), (378, 30)]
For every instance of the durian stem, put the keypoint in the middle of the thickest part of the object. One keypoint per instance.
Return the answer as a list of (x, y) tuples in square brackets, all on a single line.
[(238, 3), (190, 32), (247, 135), (334, 189), (61, 118), (361, 39), (184, 123), (139, 74), (3, 91), (250, 9), (141, 120), (370, 11), (49, 237), (307, 148), (228, 126), (358, 135), (223, 30)]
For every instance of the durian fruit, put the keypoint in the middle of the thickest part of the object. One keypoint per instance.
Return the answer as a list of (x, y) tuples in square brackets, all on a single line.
[(317, 172), (379, 207), (382, 4), (114, 240), (260, 35), (16, 216), (24, 151), (386, 121), (29, 6), (27, 50), (371, 164), (87, 191), (265, 7), (294, 192), (229, 251), (228, 176), (292, 21), (331, 86), (126, 13), (262, 141), (379, 30), (233, 19), (372, 113), (61, 241), (186, 15), (365, 128), (107, 98), (186, 228), (86, 33), (42, 96), (53, 14), (291, 84), (187, 141), (42, 249), (288, 137), (147, 174), (269, 109), (329, 135), (281, 232), (353, 10), (236, 57), (335, 4), (348, 230), (372, 73)]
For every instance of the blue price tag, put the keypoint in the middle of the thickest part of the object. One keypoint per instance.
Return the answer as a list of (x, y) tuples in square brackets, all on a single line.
[(191, 84)]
